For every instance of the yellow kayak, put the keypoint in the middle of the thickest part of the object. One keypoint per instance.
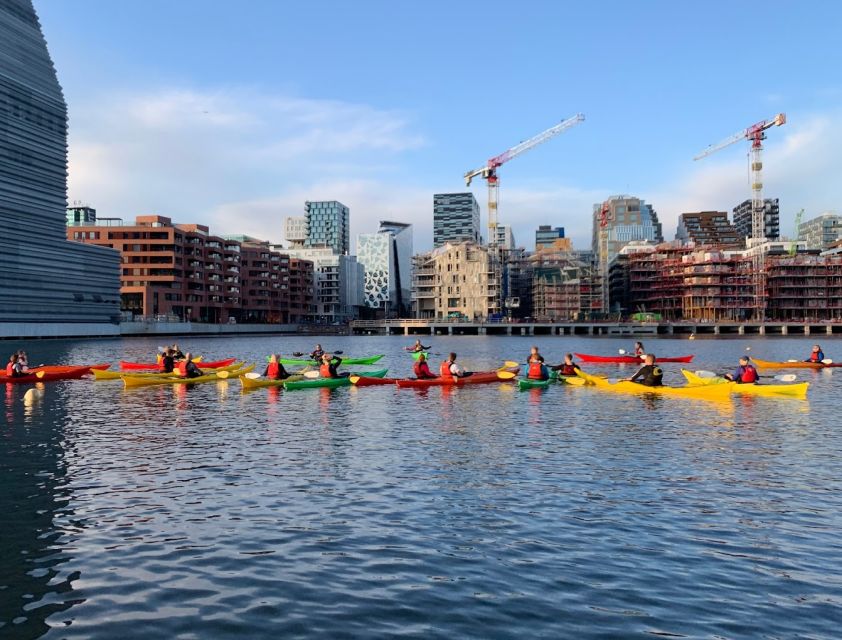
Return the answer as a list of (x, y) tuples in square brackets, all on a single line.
[(709, 392), (249, 383), (117, 375), (137, 381), (797, 390)]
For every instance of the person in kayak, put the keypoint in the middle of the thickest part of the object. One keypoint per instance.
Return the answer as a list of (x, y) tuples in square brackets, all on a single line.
[(176, 352), (534, 356), (275, 369), (329, 365), (317, 353), (568, 367), (187, 368), (639, 351), (745, 373), (23, 359), (421, 369), (537, 370), (649, 375), (417, 347), (167, 363), (450, 368), (817, 355), (14, 369)]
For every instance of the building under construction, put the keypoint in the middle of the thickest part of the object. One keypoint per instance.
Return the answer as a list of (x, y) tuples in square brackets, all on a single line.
[(804, 288), (564, 286)]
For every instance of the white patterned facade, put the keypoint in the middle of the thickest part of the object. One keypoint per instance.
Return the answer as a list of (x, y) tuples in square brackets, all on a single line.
[(374, 252)]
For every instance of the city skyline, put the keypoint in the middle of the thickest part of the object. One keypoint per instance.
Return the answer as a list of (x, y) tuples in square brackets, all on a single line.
[(238, 137)]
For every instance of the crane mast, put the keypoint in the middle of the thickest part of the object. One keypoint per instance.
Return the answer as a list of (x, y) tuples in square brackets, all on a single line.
[(489, 170), (755, 134)]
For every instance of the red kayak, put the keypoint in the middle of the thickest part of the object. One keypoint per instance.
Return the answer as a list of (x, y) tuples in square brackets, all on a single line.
[(63, 368), (71, 374), (480, 377), (584, 357), (134, 366)]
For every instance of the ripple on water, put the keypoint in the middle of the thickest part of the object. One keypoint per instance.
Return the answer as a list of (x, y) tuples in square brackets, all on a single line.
[(473, 512)]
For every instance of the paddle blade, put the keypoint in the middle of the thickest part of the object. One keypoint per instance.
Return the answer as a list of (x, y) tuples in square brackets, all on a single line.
[(622, 352), (354, 379), (786, 377), (297, 354), (338, 353), (311, 375), (222, 375), (506, 375), (40, 374), (576, 382), (508, 364), (827, 361), (706, 374), (253, 375)]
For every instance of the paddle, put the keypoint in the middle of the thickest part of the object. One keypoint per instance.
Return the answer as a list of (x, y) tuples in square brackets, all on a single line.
[(784, 377), (253, 375), (311, 375), (222, 375), (40, 374), (506, 375), (355, 379), (298, 354), (575, 381), (623, 352), (508, 364)]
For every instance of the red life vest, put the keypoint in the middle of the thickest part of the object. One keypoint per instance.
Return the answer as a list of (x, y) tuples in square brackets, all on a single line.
[(273, 370), (568, 370), (444, 369), (814, 356), (749, 374), (324, 370), (181, 367), (10, 369), (422, 370), (536, 371)]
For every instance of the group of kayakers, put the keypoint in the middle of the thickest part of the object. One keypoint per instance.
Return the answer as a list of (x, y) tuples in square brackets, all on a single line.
[(327, 363), (537, 370), (18, 365)]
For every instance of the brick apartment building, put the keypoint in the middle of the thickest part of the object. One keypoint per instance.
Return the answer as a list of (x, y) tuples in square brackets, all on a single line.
[(182, 270)]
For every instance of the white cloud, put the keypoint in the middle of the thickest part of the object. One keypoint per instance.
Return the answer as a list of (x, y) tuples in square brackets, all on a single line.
[(241, 161)]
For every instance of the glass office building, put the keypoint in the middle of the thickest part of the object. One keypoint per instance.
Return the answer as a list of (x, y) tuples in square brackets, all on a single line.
[(328, 225), (455, 218)]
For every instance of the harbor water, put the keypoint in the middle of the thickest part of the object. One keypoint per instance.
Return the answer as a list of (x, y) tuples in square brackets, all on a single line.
[(475, 512)]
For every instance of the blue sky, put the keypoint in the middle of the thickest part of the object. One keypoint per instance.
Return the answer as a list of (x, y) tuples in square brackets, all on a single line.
[(233, 114)]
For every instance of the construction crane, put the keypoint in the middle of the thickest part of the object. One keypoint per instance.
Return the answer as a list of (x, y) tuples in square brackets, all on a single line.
[(756, 134), (489, 171)]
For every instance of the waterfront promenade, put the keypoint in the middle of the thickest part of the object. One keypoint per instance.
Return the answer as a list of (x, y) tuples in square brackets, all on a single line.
[(409, 326)]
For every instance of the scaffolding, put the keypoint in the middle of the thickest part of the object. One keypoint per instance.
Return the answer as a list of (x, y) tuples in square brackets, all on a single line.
[(564, 287), (718, 287), (804, 288)]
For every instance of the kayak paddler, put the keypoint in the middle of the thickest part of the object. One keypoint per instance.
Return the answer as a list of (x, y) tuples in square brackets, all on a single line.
[(568, 367), (745, 373), (176, 352), (14, 369), (23, 359), (536, 369), (167, 363), (449, 368), (649, 375), (417, 347), (421, 369), (317, 353), (329, 365), (639, 351), (816, 355), (187, 368), (275, 370)]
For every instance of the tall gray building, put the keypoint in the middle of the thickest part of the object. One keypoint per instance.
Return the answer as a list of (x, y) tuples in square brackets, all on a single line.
[(328, 224), (822, 231), (46, 279), (771, 219), (455, 218)]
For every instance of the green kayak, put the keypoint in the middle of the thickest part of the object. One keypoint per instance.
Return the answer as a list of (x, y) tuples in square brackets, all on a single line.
[(532, 384), (330, 383), (415, 355), (368, 360)]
